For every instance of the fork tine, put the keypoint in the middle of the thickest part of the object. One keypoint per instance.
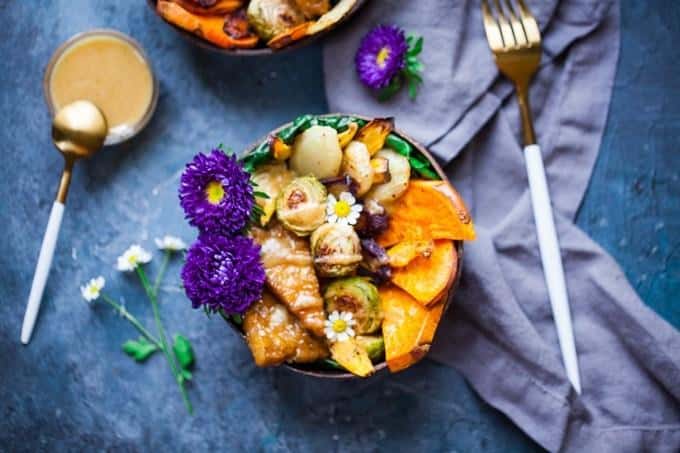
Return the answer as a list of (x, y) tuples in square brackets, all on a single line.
[(506, 30), (493, 33), (517, 28), (533, 33)]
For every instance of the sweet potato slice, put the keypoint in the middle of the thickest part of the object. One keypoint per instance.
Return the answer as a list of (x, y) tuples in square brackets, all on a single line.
[(295, 33), (208, 27), (219, 8), (426, 278), (404, 252), (428, 210), (408, 327), (374, 133)]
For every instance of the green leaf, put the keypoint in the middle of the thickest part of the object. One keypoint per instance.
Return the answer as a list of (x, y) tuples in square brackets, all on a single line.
[(259, 194), (238, 319), (390, 90), (415, 44), (183, 352), (414, 66), (140, 350), (184, 375)]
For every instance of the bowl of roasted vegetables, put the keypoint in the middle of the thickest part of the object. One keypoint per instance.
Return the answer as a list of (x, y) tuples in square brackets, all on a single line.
[(361, 240), (254, 27)]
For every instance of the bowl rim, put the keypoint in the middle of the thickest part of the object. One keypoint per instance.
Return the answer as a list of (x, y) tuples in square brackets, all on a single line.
[(257, 51), (447, 294), (111, 139)]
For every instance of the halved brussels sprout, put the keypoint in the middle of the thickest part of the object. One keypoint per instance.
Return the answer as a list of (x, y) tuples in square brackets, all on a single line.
[(358, 296), (400, 173), (374, 345), (301, 206), (271, 17), (336, 250), (317, 152), (356, 163)]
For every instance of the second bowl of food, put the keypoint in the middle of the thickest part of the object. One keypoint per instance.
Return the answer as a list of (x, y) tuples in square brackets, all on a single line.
[(361, 241), (254, 27)]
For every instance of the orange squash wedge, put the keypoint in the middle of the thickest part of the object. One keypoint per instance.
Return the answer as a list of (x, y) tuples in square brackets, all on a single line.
[(404, 252), (408, 327), (211, 28), (426, 278), (428, 210)]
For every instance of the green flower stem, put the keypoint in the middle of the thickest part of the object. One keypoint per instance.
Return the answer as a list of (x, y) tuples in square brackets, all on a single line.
[(127, 315), (161, 333), (161, 272)]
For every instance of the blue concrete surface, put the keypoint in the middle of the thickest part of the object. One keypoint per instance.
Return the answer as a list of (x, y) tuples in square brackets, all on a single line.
[(73, 389)]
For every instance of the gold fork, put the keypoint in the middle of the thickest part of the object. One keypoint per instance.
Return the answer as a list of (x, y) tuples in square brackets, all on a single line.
[(515, 40)]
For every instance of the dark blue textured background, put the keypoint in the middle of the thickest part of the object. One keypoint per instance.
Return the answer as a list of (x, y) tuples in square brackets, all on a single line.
[(73, 388)]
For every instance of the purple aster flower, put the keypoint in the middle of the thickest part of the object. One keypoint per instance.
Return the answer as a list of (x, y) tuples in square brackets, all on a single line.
[(223, 273), (380, 56), (216, 194)]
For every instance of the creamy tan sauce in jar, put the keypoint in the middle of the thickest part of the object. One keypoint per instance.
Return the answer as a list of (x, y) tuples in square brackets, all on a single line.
[(110, 71)]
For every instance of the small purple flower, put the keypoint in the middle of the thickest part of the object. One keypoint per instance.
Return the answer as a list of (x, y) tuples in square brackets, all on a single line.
[(223, 273), (216, 194), (380, 56)]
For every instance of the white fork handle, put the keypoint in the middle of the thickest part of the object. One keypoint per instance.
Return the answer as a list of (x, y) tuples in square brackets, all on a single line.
[(552, 261), (42, 270)]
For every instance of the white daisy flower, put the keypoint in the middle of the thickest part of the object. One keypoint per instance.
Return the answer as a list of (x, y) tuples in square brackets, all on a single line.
[(338, 326), (344, 211), (91, 290), (133, 256), (170, 243)]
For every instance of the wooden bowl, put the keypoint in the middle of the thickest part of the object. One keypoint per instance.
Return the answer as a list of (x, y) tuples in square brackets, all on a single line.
[(257, 51), (447, 295)]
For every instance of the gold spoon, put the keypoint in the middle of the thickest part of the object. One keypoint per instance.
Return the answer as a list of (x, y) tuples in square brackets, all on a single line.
[(78, 130)]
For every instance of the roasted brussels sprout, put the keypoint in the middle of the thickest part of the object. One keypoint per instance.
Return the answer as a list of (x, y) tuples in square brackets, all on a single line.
[(358, 296), (400, 173), (271, 17), (356, 163), (317, 152), (336, 250), (374, 345), (301, 206)]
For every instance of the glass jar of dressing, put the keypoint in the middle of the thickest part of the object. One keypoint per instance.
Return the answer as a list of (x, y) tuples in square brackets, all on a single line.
[(109, 69)]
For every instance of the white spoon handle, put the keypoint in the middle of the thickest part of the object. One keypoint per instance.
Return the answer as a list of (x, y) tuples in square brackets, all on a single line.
[(552, 261), (42, 270)]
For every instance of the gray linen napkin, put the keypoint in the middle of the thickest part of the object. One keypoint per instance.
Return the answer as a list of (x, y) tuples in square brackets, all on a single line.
[(499, 332)]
